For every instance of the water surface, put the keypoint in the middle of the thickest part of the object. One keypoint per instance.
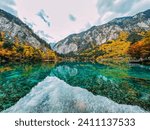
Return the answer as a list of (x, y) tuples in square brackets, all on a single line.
[(128, 84)]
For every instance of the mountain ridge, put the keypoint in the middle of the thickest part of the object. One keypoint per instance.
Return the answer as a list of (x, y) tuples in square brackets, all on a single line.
[(96, 35), (19, 43), (15, 20)]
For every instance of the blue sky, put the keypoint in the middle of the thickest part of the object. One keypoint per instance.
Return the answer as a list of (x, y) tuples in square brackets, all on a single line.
[(56, 19)]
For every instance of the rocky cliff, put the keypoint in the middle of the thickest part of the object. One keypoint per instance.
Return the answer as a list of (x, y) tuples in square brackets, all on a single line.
[(77, 43), (19, 43), (13, 26)]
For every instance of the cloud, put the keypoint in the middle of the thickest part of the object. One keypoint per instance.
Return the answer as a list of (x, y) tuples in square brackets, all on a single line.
[(72, 18), (57, 12), (86, 27), (54, 16), (30, 24), (44, 17), (143, 5), (44, 36), (10, 2), (117, 6), (8, 6), (110, 9)]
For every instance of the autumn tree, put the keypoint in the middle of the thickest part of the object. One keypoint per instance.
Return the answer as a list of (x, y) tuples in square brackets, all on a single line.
[(134, 37), (141, 49), (11, 49)]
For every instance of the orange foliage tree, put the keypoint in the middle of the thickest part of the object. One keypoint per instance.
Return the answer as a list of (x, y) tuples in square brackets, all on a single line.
[(141, 49)]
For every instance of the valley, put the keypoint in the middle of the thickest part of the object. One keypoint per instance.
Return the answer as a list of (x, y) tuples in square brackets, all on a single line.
[(109, 62)]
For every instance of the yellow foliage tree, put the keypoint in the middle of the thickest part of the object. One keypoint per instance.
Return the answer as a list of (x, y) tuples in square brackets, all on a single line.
[(16, 51), (116, 49)]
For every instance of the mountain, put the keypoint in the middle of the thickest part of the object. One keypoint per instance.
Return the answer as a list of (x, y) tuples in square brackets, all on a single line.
[(18, 41), (75, 44), (14, 26), (45, 36), (42, 34)]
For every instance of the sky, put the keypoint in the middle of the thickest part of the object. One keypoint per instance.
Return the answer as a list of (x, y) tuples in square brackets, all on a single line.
[(56, 19)]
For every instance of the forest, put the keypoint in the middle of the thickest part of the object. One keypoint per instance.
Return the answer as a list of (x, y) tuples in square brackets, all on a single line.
[(11, 49)]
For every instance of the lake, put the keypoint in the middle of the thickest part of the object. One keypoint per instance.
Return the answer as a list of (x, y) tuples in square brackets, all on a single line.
[(124, 84)]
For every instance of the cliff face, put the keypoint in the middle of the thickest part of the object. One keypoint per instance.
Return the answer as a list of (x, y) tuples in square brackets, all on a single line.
[(15, 27), (97, 35)]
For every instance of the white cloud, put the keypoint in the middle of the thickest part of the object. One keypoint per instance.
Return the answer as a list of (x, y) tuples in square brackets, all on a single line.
[(58, 11), (44, 36), (143, 5), (86, 26), (44, 17), (60, 14), (118, 6), (9, 6), (110, 9), (30, 24)]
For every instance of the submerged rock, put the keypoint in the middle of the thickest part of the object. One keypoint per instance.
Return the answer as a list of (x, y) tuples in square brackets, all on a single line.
[(54, 95)]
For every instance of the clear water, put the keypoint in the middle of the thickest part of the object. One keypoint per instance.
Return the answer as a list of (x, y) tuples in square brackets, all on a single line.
[(53, 95), (128, 84)]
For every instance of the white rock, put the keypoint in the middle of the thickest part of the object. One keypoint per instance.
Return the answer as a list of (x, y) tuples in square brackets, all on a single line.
[(54, 95)]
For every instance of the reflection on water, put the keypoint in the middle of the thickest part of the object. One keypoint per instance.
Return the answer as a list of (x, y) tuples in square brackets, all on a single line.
[(17, 81), (128, 84), (53, 95)]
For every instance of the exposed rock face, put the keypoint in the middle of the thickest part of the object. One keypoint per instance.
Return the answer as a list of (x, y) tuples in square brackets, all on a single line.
[(15, 27), (97, 35)]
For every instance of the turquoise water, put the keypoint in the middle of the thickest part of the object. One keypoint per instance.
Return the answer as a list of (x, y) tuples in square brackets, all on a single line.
[(128, 84)]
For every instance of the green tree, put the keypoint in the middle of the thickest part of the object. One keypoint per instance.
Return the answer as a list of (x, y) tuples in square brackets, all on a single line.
[(8, 45), (1, 37)]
